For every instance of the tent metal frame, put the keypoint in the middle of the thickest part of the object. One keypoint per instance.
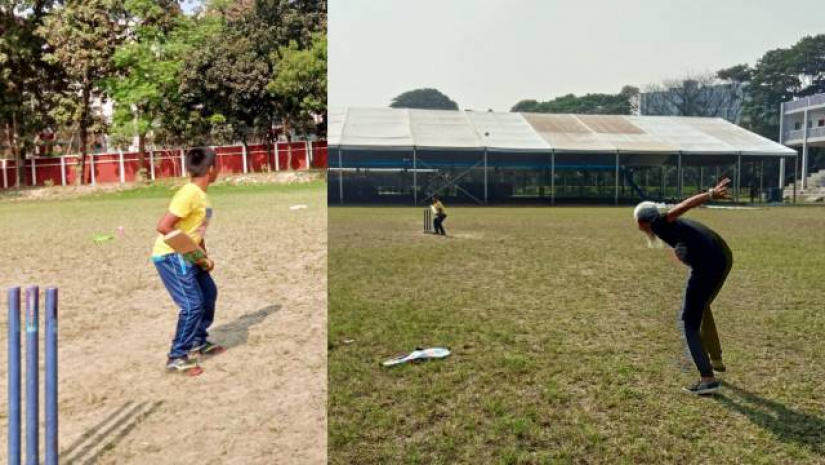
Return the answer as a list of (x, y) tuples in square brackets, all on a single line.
[(450, 182)]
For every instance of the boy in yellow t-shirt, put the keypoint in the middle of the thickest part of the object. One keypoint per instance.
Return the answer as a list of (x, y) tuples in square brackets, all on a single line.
[(190, 284), (439, 215)]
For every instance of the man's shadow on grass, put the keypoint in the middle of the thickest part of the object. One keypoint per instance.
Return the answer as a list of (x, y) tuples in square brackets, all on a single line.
[(236, 333), (786, 424)]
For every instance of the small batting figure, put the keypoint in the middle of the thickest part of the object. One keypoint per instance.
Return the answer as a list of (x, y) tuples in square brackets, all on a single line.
[(439, 215), (710, 261), (182, 263)]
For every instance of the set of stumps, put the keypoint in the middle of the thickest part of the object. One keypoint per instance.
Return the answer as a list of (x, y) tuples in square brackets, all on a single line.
[(32, 377)]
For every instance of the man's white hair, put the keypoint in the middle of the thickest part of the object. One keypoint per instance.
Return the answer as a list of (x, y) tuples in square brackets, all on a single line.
[(646, 211)]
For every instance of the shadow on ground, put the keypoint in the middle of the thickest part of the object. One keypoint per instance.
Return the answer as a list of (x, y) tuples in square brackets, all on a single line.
[(236, 333), (107, 434), (786, 424)]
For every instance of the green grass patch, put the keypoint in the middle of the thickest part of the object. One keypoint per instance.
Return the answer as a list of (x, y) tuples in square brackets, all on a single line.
[(565, 349), (165, 189)]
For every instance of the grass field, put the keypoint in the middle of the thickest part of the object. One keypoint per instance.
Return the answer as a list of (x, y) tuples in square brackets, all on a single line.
[(264, 398), (565, 350)]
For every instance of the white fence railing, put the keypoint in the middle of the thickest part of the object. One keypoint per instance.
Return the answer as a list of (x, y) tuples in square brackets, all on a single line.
[(798, 134), (813, 100)]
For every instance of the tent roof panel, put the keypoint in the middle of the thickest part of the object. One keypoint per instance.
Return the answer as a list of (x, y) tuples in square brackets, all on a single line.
[(505, 131), (335, 125), (566, 133), (437, 128), (377, 127), (595, 133), (737, 137), (391, 128), (682, 137), (609, 124)]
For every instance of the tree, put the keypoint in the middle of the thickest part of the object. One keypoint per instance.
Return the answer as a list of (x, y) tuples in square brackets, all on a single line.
[(27, 81), (230, 9), (526, 106), (780, 76), (705, 95), (633, 96), (589, 104), (145, 88), (299, 84), (83, 36), (424, 98), (227, 80)]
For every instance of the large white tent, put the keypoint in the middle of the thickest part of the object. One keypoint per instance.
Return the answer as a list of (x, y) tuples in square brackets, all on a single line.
[(368, 137), (391, 128)]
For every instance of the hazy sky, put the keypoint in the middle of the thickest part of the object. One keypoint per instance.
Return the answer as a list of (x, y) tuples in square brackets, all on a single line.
[(189, 6), (493, 53)]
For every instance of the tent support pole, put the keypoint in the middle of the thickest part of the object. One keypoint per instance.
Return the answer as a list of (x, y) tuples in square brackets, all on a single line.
[(664, 182), (803, 180), (795, 171), (761, 178), (616, 188), (485, 176), (782, 141), (552, 177), (680, 176), (738, 174), (415, 178), (340, 177)]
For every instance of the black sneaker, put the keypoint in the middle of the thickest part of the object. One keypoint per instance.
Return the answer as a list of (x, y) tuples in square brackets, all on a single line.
[(703, 387)]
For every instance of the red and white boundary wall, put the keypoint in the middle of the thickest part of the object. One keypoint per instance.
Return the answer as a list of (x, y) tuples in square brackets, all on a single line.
[(164, 163)]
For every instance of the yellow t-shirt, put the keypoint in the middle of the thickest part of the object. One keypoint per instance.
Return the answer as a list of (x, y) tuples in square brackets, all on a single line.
[(192, 206), (439, 208)]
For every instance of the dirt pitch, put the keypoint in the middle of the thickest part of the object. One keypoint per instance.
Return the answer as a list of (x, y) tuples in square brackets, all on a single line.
[(262, 402)]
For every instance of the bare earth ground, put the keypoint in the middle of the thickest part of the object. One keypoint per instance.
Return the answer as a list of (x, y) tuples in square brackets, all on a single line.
[(262, 402)]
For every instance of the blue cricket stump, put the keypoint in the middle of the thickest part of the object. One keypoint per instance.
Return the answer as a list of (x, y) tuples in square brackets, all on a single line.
[(32, 376), (14, 376)]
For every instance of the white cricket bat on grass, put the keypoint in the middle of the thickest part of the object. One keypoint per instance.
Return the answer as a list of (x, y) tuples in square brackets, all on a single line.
[(418, 354)]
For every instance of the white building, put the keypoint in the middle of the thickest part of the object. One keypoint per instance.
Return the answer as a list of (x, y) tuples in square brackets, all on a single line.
[(802, 124)]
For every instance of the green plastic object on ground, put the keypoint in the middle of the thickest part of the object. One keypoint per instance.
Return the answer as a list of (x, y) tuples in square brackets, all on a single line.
[(101, 238)]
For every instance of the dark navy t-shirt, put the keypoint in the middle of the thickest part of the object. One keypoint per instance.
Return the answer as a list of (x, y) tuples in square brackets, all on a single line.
[(695, 244)]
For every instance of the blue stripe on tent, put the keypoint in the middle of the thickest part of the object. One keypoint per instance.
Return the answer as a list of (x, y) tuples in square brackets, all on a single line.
[(393, 164)]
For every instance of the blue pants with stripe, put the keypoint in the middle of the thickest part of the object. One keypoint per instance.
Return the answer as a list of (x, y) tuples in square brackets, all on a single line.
[(195, 293)]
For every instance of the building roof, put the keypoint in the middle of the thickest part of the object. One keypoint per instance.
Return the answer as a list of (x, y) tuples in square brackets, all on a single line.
[(405, 129)]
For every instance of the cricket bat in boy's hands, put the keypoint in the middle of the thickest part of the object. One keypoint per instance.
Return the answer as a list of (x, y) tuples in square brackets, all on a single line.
[(184, 245)]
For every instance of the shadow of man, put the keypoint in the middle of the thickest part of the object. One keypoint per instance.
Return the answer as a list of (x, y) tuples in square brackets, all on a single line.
[(236, 333), (786, 424)]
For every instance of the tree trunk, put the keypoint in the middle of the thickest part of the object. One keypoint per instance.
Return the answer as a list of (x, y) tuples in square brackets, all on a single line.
[(246, 151), (15, 154), (142, 170), (270, 148), (84, 133), (288, 146)]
